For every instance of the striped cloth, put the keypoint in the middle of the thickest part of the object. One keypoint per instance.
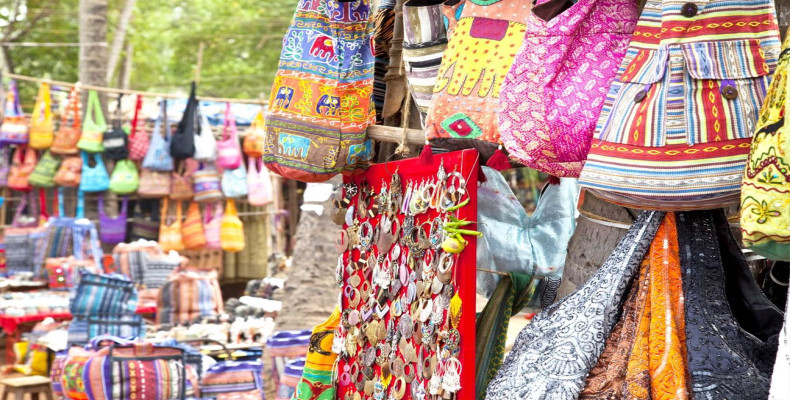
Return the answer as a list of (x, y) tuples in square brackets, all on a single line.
[(157, 268), (187, 295), (424, 43), (126, 326), (104, 294), (383, 26), (234, 377), (701, 81)]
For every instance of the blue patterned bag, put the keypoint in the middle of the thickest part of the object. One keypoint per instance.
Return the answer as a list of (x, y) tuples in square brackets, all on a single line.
[(234, 182), (104, 294), (96, 178), (158, 157), (83, 329)]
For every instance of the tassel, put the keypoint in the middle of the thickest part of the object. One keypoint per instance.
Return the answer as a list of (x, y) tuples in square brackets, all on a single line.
[(553, 180), (426, 156), (499, 160)]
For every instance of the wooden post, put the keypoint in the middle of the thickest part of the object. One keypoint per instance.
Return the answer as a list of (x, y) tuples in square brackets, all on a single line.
[(199, 63)]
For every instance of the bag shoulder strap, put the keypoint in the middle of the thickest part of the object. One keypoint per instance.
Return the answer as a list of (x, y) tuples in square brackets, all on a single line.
[(72, 109), (94, 115), (165, 122), (43, 103), (135, 120), (229, 125), (164, 211)]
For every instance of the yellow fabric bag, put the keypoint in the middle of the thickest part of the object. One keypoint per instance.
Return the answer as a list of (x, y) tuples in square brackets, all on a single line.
[(231, 233), (42, 128)]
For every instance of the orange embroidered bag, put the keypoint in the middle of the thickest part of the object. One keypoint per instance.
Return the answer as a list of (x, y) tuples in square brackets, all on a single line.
[(22, 165), (170, 234), (192, 229), (68, 135), (254, 137)]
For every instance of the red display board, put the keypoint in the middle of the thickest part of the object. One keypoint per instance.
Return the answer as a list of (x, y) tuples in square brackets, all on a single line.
[(368, 302)]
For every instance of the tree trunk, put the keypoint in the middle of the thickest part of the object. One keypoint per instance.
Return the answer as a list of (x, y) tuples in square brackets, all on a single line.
[(119, 38)]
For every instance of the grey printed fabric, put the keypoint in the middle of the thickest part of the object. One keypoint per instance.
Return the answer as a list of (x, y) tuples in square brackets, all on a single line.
[(552, 356), (424, 42), (157, 269)]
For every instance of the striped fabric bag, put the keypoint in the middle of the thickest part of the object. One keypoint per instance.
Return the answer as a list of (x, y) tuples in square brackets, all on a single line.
[(83, 329), (233, 380), (56, 372), (189, 294), (129, 258), (192, 228), (424, 43), (292, 372), (677, 124), (286, 348), (104, 294), (157, 268)]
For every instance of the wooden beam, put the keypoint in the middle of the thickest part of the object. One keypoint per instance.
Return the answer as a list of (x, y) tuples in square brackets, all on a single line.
[(393, 134)]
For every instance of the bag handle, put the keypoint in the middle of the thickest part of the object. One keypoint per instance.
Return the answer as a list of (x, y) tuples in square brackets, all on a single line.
[(94, 111), (190, 111), (20, 208), (43, 101), (229, 125), (116, 119), (72, 108), (164, 212), (135, 120), (13, 108), (258, 122), (230, 208), (42, 205), (80, 208), (124, 207), (17, 157), (207, 215), (168, 130)]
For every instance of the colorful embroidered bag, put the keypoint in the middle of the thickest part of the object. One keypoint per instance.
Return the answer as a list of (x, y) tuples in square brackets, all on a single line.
[(188, 295), (225, 379), (212, 226), (234, 182), (70, 172), (158, 157), (192, 229), (42, 127), (232, 229), (424, 44), (124, 179), (94, 179), (93, 126), (69, 132), (181, 183), (112, 230), (139, 139), (140, 371), (480, 52), (206, 181), (259, 183), (43, 175), (316, 381), (170, 232), (205, 142), (145, 225), (675, 129), (5, 165), (321, 101), (65, 272), (228, 150), (104, 294), (22, 165), (182, 145), (551, 98), (14, 129), (765, 194), (254, 137), (154, 183), (116, 141)]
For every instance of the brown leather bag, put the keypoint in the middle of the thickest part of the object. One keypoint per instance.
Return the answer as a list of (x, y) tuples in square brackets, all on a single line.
[(70, 172), (181, 183)]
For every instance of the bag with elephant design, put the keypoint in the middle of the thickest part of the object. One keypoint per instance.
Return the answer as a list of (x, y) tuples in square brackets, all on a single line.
[(321, 101)]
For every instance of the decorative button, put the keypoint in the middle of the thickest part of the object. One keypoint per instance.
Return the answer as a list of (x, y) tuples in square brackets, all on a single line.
[(640, 95), (689, 10), (729, 92)]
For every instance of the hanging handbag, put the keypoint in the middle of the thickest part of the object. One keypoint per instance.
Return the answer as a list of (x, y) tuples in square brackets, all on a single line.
[(192, 229), (42, 127), (182, 145), (424, 43), (480, 52), (69, 132), (765, 193), (205, 142), (170, 231), (254, 137), (22, 165), (234, 182), (232, 229), (70, 172), (94, 179), (43, 175), (145, 225), (14, 129), (93, 126), (569, 335), (551, 98), (206, 184), (112, 230), (158, 157), (139, 139), (228, 151), (181, 183), (154, 183), (676, 137), (124, 179), (259, 183), (316, 122), (212, 226), (116, 141), (5, 165)]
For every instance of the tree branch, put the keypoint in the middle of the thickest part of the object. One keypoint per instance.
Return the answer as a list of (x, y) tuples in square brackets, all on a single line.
[(33, 21), (118, 38)]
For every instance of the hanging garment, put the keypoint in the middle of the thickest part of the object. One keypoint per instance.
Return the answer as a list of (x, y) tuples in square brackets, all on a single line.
[(554, 353), (70, 129), (183, 144), (765, 194), (158, 157), (721, 296), (93, 126), (138, 137), (14, 129), (205, 142), (383, 29), (321, 99), (553, 94), (607, 378), (42, 127), (317, 381), (480, 52), (676, 126), (424, 43)]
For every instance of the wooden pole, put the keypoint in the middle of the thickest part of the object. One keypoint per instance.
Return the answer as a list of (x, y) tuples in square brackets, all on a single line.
[(199, 63)]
